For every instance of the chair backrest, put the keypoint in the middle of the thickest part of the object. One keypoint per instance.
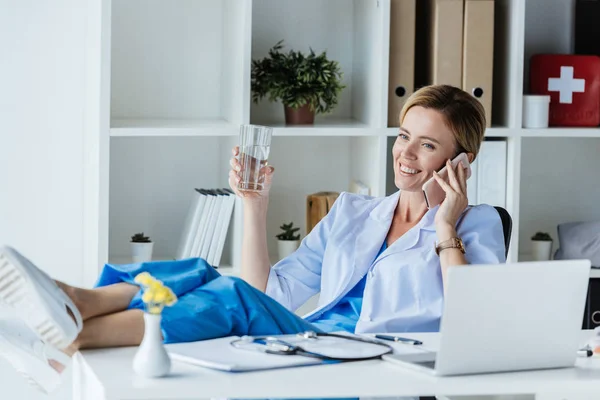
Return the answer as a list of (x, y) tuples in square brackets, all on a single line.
[(506, 226)]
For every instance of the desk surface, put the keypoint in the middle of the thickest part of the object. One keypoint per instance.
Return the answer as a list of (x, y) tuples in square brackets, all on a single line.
[(107, 374)]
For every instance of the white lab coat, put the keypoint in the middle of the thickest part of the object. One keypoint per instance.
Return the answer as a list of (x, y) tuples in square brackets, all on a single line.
[(404, 290)]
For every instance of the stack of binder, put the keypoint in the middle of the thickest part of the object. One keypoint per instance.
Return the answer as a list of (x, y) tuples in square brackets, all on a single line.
[(454, 45), (206, 225)]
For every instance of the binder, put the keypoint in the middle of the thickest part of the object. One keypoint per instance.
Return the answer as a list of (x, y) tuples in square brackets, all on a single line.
[(446, 40), (491, 171), (191, 222), (211, 224), (586, 27), (402, 55), (237, 233), (202, 226), (218, 241), (472, 181), (478, 52), (487, 184), (206, 226)]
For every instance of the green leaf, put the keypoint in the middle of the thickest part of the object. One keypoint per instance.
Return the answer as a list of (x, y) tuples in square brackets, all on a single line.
[(297, 79)]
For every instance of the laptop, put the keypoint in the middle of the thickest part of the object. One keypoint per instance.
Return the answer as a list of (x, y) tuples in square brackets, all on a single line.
[(508, 317)]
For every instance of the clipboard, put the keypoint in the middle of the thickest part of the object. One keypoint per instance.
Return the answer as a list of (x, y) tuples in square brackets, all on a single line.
[(220, 355)]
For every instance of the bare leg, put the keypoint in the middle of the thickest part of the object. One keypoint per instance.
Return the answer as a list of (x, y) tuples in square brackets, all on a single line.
[(125, 328), (100, 301)]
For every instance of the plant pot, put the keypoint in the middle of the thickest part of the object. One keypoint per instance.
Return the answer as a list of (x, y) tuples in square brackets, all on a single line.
[(299, 116), (286, 247), (541, 250), (151, 359), (141, 252)]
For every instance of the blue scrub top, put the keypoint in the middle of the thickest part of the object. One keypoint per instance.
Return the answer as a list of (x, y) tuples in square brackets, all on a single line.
[(344, 315)]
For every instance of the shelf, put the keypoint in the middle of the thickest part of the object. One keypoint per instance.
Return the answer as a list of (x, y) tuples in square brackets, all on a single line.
[(353, 33), (554, 188), (226, 270), (172, 127), (526, 257), (566, 132), (152, 180), (191, 67), (120, 259), (326, 127), (501, 132), (152, 184), (183, 128), (489, 132)]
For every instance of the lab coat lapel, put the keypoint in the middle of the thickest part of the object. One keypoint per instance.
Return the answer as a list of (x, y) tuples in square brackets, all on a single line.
[(371, 237), (411, 238)]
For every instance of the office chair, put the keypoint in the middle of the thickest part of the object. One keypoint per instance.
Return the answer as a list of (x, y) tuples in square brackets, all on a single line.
[(506, 226)]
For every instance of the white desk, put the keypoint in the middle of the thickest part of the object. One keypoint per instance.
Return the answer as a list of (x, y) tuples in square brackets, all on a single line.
[(107, 374)]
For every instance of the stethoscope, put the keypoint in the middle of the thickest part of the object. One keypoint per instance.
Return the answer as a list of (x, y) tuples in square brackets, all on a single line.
[(274, 345)]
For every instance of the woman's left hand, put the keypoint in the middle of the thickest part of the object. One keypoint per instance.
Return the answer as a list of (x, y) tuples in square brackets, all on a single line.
[(456, 196)]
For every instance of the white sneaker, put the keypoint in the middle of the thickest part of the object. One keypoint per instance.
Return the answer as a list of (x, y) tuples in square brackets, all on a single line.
[(21, 347), (37, 300)]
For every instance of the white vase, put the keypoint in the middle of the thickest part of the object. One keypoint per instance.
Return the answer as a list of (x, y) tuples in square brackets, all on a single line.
[(152, 359), (286, 247), (141, 252), (541, 250)]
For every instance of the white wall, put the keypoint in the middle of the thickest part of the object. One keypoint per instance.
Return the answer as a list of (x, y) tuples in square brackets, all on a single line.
[(41, 139)]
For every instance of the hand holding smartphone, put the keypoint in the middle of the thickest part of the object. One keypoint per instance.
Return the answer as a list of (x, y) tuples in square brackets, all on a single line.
[(433, 192)]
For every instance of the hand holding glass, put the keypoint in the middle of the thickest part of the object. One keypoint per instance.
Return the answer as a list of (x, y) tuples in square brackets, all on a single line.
[(255, 144)]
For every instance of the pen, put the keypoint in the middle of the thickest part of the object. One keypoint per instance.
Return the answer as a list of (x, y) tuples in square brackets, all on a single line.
[(584, 353), (399, 339)]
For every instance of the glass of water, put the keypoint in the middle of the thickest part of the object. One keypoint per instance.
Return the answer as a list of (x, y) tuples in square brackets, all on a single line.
[(255, 144)]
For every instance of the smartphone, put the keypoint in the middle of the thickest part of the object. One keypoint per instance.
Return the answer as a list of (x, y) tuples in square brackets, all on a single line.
[(433, 192)]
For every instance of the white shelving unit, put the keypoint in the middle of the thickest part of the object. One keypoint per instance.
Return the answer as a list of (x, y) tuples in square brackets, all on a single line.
[(175, 86), (558, 165)]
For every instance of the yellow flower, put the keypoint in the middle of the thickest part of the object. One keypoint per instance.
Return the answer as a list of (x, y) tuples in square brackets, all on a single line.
[(143, 278), (155, 294), (160, 296), (147, 296)]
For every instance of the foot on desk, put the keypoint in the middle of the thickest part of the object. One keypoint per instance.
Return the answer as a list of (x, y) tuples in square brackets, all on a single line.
[(38, 300), (39, 363)]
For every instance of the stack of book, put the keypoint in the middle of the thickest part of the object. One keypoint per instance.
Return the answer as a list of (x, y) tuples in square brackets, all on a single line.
[(206, 225)]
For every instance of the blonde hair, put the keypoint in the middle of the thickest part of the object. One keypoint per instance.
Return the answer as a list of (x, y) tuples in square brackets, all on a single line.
[(464, 114)]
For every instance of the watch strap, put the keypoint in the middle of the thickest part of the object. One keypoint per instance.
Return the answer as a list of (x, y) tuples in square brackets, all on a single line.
[(452, 243)]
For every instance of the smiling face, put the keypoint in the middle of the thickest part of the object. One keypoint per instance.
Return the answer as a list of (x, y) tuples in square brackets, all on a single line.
[(423, 145)]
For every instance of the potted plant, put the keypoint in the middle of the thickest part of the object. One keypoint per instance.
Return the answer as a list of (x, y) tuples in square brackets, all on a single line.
[(288, 241), (141, 248), (305, 84), (541, 246)]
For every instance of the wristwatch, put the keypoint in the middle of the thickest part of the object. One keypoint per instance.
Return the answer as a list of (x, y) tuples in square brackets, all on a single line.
[(452, 243)]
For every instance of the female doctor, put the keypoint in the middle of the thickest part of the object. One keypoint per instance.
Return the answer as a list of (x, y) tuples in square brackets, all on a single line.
[(378, 263)]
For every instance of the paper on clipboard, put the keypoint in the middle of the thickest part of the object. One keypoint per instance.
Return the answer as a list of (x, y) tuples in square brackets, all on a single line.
[(219, 354)]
